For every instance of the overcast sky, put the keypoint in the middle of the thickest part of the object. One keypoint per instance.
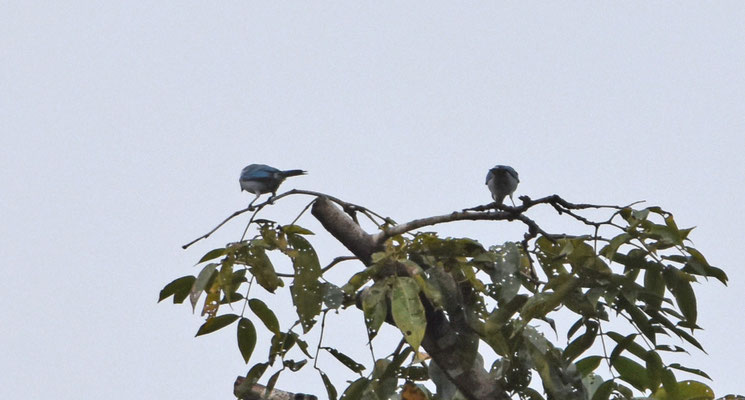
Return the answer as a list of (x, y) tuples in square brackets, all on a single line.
[(124, 127)]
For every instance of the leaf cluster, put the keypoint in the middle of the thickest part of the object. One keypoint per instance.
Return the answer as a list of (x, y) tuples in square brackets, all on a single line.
[(641, 277)]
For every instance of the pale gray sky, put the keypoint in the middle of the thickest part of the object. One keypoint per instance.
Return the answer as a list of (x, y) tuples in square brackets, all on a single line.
[(125, 126)]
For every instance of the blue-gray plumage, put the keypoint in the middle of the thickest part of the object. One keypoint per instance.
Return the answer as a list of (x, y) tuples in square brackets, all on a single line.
[(502, 181), (259, 179)]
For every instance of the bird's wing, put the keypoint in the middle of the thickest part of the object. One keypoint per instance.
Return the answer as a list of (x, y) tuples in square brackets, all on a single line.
[(258, 172), (488, 176), (511, 171)]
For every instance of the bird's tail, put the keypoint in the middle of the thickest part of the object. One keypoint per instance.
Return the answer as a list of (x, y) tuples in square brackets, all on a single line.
[(293, 172)]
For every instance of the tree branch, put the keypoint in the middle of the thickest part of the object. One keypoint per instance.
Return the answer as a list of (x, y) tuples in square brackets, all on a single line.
[(259, 392), (386, 233), (441, 340), (349, 208), (206, 235), (493, 212), (344, 229)]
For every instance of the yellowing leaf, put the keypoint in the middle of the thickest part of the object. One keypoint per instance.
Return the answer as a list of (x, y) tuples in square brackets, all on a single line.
[(412, 392)]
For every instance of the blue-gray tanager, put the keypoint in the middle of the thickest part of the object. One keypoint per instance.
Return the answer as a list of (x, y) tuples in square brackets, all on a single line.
[(259, 179), (502, 181)]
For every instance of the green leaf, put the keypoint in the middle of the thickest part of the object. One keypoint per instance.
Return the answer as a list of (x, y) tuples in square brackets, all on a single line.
[(640, 320), (667, 235), (246, 338), (333, 296), (691, 370), (303, 345), (532, 394), (673, 349), (344, 359), (265, 315), (239, 277), (408, 311), (697, 262), (543, 303), (293, 365), (233, 298), (296, 229), (281, 344), (582, 343), (670, 311), (681, 288), (670, 384), (381, 388), (681, 333), (330, 389), (272, 381), (392, 368), (253, 376), (626, 343), (361, 278), (609, 251), (306, 288), (506, 271), (688, 338), (631, 372), (430, 290), (604, 391), (356, 389), (655, 369), (690, 390), (179, 289), (414, 373), (493, 335), (624, 391), (635, 216), (216, 323), (374, 306), (588, 364), (575, 327), (654, 283), (622, 346), (212, 254), (560, 380)]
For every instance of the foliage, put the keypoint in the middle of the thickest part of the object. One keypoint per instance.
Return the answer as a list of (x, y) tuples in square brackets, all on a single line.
[(627, 284)]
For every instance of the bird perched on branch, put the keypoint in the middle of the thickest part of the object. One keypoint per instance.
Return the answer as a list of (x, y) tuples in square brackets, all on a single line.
[(502, 181), (259, 179)]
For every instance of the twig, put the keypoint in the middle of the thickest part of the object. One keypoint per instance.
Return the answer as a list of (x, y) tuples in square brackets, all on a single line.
[(250, 221), (337, 260), (333, 262), (206, 235), (348, 207), (320, 339), (496, 212), (301, 213)]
